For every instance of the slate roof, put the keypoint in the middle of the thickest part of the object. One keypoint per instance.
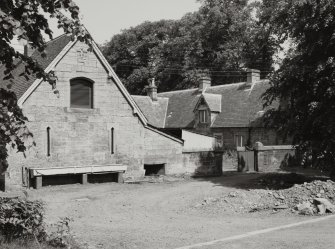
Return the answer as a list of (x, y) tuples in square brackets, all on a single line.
[(20, 83), (240, 105), (180, 109), (154, 111)]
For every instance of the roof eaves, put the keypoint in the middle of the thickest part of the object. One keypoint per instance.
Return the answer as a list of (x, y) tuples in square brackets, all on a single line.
[(49, 68), (153, 128), (118, 82)]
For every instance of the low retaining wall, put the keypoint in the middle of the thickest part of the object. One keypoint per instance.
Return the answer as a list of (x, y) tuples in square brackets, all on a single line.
[(203, 163), (265, 158), (273, 158), (200, 157)]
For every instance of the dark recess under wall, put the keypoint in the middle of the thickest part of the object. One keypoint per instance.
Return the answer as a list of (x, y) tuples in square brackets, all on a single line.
[(102, 178), (60, 180), (154, 169), (74, 179)]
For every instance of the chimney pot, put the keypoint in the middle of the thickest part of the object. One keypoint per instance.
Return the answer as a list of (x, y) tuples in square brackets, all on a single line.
[(205, 82), (253, 75), (28, 51), (152, 90)]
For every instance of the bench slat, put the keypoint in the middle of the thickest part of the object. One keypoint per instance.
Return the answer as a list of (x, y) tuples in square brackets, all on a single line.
[(77, 170)]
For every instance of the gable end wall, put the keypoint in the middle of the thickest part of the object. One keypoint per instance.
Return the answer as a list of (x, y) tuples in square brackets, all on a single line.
[(81, 137)]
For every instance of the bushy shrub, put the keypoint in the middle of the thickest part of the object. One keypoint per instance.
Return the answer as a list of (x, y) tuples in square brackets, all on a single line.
[(21, 219), (59, 234)]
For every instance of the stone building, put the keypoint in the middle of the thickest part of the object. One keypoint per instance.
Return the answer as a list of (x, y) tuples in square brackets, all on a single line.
[(91, 129), (231, 113)]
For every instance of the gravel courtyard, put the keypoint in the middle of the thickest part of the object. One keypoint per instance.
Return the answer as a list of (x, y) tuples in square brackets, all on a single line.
[(160, 214)]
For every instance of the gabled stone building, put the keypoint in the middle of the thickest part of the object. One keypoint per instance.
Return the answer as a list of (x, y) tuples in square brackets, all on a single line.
[(91, 128), (231, 113)]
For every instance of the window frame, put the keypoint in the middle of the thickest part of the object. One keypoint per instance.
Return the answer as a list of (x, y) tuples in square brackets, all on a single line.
[(238, 140), (203, 119), (218, 140), (91, 93)]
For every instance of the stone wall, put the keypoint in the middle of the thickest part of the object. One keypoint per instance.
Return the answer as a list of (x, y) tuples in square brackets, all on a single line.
[(200, 157), (160, 149), (264, 135), (206, 163), (274, 158), (265, 158)]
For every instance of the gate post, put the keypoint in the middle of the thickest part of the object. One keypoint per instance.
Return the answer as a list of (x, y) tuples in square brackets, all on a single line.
[(256, 160), (257, 147)]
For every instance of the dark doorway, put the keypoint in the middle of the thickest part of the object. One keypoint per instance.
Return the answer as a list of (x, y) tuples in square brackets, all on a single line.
[(154, 169)]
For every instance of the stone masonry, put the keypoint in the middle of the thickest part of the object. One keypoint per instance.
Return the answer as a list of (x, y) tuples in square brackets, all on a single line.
[(82, 136)]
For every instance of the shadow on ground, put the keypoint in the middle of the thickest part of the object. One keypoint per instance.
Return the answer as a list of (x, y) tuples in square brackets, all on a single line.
[(268, 181)]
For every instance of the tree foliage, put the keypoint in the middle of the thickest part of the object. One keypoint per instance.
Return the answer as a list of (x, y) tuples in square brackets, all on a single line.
[(27, 20), (305, 82), (224, 35)]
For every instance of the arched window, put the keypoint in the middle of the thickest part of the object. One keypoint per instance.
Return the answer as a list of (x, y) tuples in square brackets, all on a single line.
[(81, 93)]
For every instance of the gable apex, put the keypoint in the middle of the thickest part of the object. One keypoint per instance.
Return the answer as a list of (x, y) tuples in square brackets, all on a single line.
[(49, 65), (213, 102)]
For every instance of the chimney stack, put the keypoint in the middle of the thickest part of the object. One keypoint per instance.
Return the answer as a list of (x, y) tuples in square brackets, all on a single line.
[(28, 51), (205, 82), (152, 90), (253, 75)]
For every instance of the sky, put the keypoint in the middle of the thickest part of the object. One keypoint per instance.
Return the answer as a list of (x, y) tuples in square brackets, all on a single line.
[(109, 17), (105, 18)]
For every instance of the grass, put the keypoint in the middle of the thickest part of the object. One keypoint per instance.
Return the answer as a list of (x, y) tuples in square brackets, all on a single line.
[(25, 245), (34, 245)]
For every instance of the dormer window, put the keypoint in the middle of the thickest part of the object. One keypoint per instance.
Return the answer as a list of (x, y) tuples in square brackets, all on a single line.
[(81, 93), (203, 116)]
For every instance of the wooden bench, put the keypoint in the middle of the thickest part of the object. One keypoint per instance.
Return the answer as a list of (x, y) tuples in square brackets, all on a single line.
[(38, 173)]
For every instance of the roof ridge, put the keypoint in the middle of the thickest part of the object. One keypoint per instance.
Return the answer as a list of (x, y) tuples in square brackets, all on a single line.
[(144, 96), (210, 87), (230, 84), (238, 83), (182, 90)]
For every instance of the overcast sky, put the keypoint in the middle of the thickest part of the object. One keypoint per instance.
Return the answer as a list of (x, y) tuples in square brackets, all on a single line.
[(105, 18)]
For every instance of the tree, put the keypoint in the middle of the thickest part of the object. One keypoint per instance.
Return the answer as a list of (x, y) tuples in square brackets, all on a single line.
[(222, 36), (26, 20), (305, 82)]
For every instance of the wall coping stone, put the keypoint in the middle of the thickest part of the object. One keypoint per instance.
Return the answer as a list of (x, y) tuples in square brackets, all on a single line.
[(267, 148)]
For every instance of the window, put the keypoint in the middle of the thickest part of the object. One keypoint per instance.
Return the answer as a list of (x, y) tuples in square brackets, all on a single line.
[(203, 116), (112, 141), (218, 140), (48, 142), (239, 141), (81, 93)]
